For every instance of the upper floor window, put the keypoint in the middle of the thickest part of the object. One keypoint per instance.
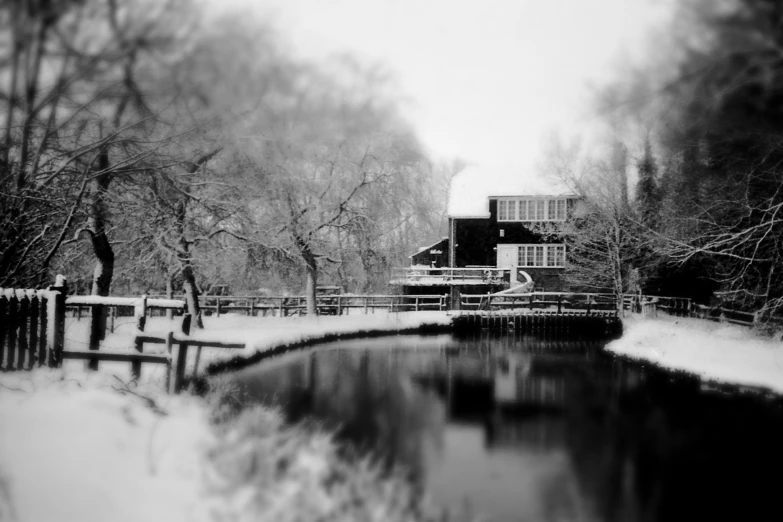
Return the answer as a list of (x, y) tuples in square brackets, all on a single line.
[(532, 209)]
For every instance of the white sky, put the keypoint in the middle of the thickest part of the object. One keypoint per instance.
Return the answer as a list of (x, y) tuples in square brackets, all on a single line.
[(488, 80)]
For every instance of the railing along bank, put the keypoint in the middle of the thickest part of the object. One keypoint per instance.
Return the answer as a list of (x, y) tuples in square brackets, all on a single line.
[(285, 306)]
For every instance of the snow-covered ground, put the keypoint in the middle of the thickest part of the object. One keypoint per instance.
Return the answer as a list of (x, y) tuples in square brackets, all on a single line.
[(74, 449), (258, 334), (83, 446), (719, 352), (79, 446)]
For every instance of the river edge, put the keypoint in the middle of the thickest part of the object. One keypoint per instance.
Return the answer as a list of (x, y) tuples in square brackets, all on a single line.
[(101, 443), (719, 354), (111, 424)]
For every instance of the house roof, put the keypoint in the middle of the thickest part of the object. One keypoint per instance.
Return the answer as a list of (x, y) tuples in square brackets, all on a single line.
[(424, 249), (471, 189)]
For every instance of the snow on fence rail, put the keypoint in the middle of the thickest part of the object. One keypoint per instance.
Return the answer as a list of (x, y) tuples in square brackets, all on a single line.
[(32, 327), (285, 306)]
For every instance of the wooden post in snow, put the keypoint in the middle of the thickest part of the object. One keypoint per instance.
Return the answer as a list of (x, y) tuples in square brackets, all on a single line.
[(180, 358), (3, 322), (43, 304), (35, 304), (140, 318), (56, 321), (24, 311), (13, 320)]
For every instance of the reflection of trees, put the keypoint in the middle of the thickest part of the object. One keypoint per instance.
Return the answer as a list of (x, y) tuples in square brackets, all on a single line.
[(642, 445), (649, 447), (378, 407)]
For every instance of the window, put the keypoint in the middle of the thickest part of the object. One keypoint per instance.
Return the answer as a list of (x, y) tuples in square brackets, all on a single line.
[(551, 210), (561, 209), (552, 256), (540, 205), (532, 209), (523, 210)]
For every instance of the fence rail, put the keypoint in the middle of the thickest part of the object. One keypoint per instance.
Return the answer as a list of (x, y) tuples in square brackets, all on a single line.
[(446, 275), (32, 322), (280, 306)]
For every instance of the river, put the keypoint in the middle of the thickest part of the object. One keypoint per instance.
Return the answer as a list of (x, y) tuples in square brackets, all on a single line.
[(512, 427)]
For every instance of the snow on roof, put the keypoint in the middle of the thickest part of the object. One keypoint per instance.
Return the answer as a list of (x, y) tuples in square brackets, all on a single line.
[(422, 249), (471, 189)]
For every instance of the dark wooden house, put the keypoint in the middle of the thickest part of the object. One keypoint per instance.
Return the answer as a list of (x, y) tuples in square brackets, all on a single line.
[(501, 224)]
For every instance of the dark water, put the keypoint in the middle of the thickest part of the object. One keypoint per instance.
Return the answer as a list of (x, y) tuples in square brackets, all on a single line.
[(517, 428)]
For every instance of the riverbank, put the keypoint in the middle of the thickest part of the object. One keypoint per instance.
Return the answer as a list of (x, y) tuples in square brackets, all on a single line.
[(77, 445), (719, 352), (259, 335)]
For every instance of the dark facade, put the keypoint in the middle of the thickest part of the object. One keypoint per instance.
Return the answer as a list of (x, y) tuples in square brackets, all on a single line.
[(435, 256), (475, 242)]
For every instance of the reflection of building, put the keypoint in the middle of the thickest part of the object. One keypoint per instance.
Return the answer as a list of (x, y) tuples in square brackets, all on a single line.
[(515, 385), (499, 224), (539, 433)]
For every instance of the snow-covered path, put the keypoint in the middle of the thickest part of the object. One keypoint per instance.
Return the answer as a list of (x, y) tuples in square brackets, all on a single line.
[(718, 352)]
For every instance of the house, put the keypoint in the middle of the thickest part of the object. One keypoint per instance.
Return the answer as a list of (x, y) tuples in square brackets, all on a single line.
[(504, 229), (432, 256)]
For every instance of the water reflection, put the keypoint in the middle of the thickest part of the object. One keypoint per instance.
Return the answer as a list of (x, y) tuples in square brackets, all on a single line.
[(520, 428)]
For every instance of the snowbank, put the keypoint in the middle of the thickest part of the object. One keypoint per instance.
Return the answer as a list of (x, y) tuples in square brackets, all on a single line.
[(75, 449), (258, 334), (715, 351), (266, 334)]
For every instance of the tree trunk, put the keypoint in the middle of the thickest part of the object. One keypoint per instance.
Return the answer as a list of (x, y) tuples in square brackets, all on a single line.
[(188, 275), (312, 284), (183, 253), (104, 254)]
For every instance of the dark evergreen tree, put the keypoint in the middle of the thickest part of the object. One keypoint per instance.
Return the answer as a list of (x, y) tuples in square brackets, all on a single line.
[(648, 198)]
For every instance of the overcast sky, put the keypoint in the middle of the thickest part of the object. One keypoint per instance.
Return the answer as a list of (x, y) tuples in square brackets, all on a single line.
[(488, 80)]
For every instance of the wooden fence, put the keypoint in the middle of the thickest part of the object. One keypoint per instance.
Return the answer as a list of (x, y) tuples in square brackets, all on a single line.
[(32, 332), (286, 306), (25, 337)]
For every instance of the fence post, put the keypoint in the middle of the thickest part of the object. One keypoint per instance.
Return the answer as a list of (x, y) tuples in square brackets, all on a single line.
[(56, 321), (24, 311), (169, 344), (43, 304), (97, 331), (3, 322), (13, 321), (178, 365), (32, 296), (140, 317), (217, 312), (416, 309), (252, 311)]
